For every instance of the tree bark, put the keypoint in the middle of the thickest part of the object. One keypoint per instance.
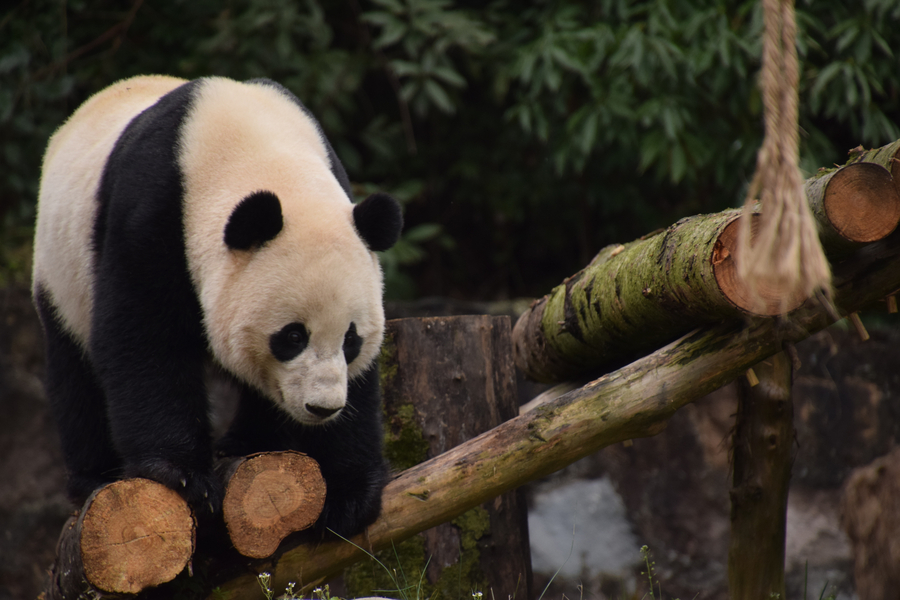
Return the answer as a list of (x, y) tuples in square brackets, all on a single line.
[(131, 535), (446, 380), (635, 401), (762, 444), (635, 297), (269, 496)]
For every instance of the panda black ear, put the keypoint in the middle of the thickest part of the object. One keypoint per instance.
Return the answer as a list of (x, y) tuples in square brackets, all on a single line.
[(378, 220), (254, 221)]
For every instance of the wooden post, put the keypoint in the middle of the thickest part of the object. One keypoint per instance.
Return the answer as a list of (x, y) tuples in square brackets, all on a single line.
[(446, 380), (763, 439)]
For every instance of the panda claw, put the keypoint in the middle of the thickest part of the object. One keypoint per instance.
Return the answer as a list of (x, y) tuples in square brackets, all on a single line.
[(183, 482), (206, 494)]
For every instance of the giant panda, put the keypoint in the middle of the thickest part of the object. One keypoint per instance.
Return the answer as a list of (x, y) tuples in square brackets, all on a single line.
[(187, 223)]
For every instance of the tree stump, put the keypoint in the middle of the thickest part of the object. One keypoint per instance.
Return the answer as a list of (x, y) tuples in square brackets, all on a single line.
[(269, 496), (131, 535), (446, 380)]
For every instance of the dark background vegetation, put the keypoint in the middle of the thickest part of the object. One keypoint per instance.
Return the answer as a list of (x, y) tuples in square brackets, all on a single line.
[(521, 136)]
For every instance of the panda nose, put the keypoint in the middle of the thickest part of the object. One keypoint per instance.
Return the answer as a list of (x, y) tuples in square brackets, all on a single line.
[(321, 411)]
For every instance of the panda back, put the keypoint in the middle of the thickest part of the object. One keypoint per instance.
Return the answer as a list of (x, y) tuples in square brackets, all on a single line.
[(73, 168)]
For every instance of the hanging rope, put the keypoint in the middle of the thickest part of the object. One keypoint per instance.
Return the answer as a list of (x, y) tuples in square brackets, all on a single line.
[(785, 258)]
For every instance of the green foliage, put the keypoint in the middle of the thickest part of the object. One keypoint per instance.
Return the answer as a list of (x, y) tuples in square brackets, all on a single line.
[(521, 136), (423, 32)]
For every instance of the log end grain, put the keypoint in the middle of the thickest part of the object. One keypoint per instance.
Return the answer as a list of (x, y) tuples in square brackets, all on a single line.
[(270, 496), (862, 202), (135, 534), (773, 300)]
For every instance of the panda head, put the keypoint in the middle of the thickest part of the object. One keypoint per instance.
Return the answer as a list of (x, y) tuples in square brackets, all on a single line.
[(303, 315)]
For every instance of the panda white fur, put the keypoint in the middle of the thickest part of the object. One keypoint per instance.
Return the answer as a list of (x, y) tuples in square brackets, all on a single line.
[(183, 221)]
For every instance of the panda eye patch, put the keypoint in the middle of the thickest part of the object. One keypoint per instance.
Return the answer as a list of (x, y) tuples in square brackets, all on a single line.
[(352, 344), (289, 342)]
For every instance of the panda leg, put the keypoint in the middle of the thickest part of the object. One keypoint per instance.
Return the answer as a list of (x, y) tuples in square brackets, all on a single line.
[(350, 453), (78, 405), (148, 345)]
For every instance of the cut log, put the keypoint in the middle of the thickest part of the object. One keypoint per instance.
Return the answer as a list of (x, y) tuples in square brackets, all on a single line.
[(269, 496), (855, 204), (635, 401), (762, 450), (446, 380), (131, 535), (635, 297)]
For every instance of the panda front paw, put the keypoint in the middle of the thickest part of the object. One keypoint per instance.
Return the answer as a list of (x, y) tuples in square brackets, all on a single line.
[(201, 489)]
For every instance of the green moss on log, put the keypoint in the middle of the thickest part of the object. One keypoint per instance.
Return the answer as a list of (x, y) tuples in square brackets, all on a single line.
[(404, 444), (629, 298)]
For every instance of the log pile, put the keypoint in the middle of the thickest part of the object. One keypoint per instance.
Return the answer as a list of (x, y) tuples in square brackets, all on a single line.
[(635, 297), (136, 534)]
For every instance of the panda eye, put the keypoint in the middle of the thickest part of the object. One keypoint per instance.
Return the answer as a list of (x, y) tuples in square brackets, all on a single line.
[(352, 344), (289, 342)]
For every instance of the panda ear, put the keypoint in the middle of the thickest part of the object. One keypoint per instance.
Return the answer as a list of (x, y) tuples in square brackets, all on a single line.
[(254, 221), (378, 220)]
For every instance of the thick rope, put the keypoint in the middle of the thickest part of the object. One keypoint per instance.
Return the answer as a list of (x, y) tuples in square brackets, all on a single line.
[(786, 256)]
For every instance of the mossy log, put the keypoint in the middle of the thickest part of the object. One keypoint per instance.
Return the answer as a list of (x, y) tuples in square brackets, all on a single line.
[(635, 401), (762, 449), (635, 297), (130, 535)]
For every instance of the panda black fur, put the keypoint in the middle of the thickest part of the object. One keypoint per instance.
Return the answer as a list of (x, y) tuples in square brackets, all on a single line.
[(180, 222)]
